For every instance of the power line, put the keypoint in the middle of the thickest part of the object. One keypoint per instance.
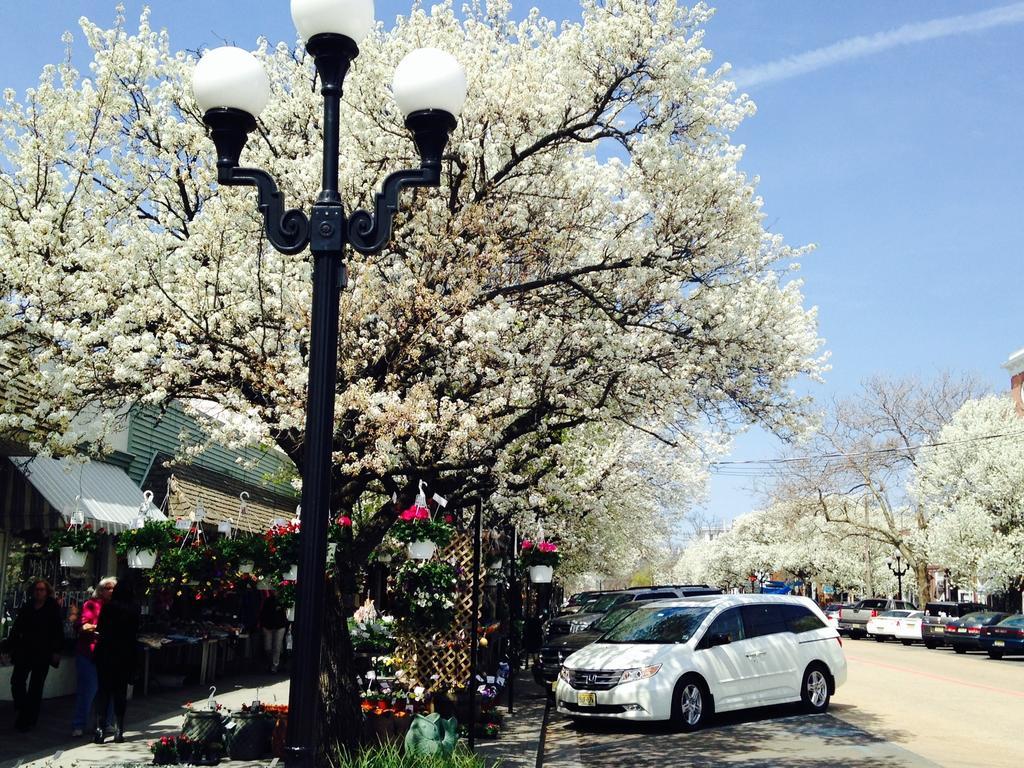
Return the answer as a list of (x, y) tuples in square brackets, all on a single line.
[(755, 467)]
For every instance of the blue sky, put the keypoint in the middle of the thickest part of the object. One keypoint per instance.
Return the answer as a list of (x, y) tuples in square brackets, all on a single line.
[(897, 150)]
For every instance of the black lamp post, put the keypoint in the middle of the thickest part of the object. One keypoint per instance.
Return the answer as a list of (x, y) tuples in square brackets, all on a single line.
[(232, 89), (895, 562)]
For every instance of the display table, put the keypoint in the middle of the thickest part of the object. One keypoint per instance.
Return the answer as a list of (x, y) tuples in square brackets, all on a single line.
[(59, 682)]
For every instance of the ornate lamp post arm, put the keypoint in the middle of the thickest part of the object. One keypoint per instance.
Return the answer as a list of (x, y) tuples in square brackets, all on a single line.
[(230, 85)]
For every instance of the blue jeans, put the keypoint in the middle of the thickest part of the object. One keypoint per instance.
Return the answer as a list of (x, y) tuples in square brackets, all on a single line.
[(85, 691)]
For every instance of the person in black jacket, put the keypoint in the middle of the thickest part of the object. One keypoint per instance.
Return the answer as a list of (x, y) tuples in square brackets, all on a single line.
[(34, 644), (116, 650)]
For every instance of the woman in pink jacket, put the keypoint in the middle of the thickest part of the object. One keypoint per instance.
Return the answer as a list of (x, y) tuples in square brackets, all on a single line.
[(85, 646)]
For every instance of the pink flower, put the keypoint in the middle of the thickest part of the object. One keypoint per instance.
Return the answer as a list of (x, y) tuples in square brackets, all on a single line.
[(409, 514), (527, 544), (422, 514), (547, 546), (345, 521), (449, 518)]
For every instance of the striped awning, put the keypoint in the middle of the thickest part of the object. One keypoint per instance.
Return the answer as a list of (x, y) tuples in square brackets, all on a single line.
[(22, 507), (101, 491)]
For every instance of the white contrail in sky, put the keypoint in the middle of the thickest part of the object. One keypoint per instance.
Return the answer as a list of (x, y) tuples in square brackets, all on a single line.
[(865, 45)]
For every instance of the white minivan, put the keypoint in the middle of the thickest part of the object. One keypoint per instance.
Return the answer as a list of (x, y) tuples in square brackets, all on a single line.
[(685, 659)]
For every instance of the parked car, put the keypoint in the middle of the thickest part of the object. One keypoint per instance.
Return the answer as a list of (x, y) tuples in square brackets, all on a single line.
[(908, 630), (559, 647), (565, 625), (963, 633), (938, 614), (578, 602), (832, 613), (1005, 638), (853, 621), (883, 626), (683, 660)]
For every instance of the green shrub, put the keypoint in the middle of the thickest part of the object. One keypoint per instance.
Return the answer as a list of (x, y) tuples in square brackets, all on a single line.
[(393, 757)]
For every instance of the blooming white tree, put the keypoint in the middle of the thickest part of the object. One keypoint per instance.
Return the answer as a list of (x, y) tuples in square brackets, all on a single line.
[(594, 257), (972, 485)]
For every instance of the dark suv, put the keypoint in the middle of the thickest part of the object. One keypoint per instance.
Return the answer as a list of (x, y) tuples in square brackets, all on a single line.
[(937, 615), (571, 623)]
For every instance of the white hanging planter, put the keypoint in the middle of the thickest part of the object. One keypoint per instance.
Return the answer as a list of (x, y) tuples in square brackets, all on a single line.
[(421, 550), (290, 613), (246, 566), (541, 574), (292, 574), (72, 558), (495, 565), (141, 558)]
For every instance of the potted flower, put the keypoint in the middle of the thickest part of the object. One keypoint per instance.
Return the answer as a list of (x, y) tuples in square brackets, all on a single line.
[(424, 594), (421, 533), (74, 544), (241, 553), (540, 557), (283, 550), (140, 545)]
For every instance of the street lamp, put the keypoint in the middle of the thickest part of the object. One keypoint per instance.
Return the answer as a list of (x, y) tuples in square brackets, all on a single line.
[(232, 88), (894, 564)]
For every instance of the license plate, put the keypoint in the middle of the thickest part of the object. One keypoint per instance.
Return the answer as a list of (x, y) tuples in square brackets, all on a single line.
[(586, 699), (998, 643), (939, 630), (962, 630)]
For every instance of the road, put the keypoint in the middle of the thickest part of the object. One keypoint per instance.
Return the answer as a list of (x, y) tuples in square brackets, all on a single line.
[(902, 707)]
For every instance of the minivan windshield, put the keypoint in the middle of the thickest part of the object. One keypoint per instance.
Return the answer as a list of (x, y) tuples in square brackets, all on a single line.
[(658, 625)]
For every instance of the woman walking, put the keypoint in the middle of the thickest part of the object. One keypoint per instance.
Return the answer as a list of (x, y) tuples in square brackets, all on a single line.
[(34, 644), (85, 655), (273, 622), (115, 655)]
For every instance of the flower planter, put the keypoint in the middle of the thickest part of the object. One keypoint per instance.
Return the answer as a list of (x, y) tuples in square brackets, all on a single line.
[(141, 558), (292, 574), (421, 550), (72, 558), (541, 574), (290, 613), (246, 566)]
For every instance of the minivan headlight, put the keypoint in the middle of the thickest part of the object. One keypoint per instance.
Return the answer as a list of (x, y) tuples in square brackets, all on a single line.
[(639, 673), (563, 674)]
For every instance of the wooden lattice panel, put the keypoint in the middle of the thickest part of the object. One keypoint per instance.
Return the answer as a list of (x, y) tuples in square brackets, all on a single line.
[(445, 653)]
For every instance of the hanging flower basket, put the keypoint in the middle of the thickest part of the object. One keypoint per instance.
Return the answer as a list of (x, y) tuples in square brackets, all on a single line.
[(420, 550), (421, 534), (540, 558), (424, 594), (72, 558), (141, 558), (246, 566), (292, 574), (74, 543), (140, 545), (282, 545)]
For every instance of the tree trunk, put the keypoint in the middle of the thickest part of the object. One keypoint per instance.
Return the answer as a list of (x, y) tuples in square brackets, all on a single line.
[(921, 575)]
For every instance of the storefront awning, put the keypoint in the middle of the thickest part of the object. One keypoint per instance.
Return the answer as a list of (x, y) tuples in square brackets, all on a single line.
[(105, 493)]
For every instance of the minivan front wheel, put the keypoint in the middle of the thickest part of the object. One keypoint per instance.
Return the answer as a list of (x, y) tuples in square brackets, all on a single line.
[(814, 693), (692, 706)]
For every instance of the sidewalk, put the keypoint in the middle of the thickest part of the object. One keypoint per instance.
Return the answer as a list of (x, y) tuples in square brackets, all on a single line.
[(519, 741), (148, 718)]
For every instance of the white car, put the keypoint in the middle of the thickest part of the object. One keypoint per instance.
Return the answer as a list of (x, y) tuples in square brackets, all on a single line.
[(883, 626), (908, 630), (685, 659)]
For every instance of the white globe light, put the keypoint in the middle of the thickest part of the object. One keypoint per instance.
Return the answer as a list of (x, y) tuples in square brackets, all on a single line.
[(230, 77), (352, 18), (429, 78)]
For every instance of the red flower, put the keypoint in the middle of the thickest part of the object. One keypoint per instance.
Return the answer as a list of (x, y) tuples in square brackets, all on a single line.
[(527, 544), (344, 521), (449, 518)]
